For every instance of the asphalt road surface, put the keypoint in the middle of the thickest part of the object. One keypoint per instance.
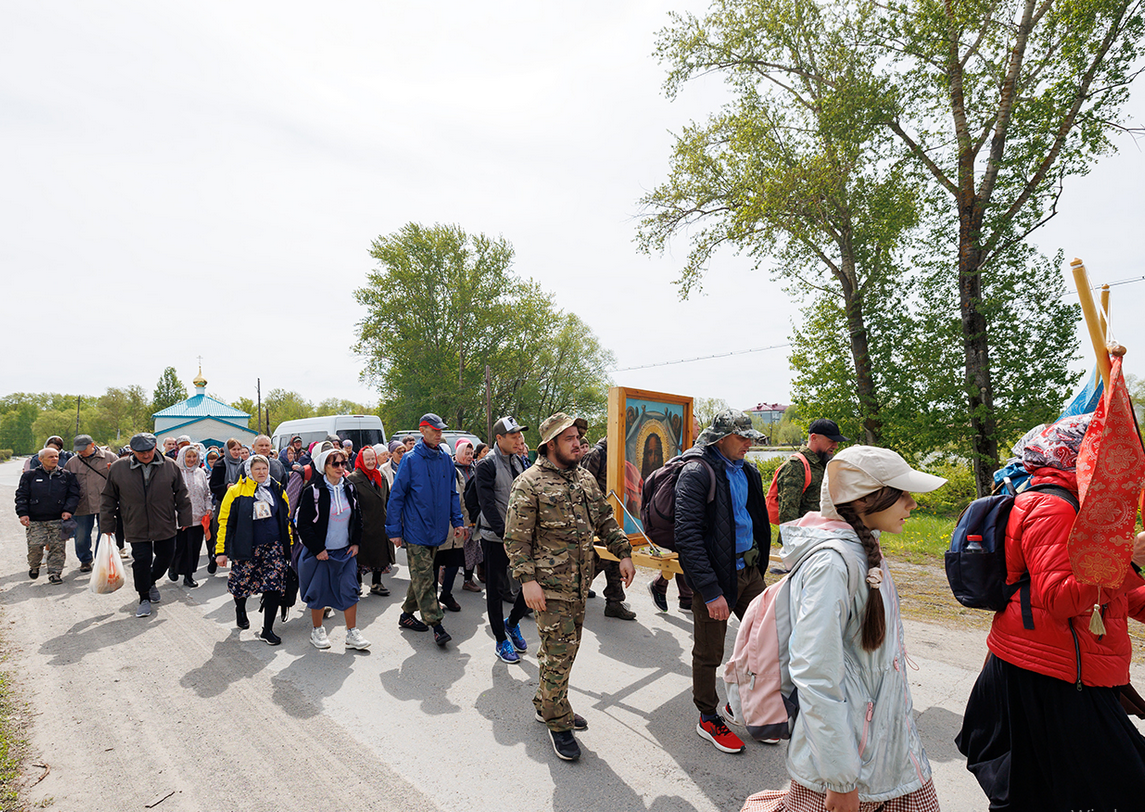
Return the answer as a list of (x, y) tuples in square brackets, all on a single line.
[(182, 711)]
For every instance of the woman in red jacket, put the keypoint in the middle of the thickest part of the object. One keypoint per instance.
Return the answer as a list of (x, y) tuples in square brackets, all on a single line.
[(1044, 727)]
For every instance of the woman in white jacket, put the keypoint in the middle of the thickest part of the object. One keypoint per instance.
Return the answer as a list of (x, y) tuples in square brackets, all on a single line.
[(854, 745), (189, 540)]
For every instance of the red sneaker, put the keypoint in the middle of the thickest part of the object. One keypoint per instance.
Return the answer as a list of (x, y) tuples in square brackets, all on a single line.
[(718, 734)]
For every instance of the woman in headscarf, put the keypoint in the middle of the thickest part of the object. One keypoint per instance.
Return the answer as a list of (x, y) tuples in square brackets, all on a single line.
[(854, 744), (226, 472), (376, 551), (1045, 727), (254, 531), (330, 525), (390, 469), (213, 455), (189, 540)]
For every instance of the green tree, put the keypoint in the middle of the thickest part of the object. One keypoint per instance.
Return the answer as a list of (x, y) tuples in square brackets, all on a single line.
[(441, 306), (705, 409), (168, 391), (125, 412), (997, 103), (16, 427), (342, 406), (285, 405), (794, 167)]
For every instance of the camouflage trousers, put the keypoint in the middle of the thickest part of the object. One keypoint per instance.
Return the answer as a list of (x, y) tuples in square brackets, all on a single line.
[(46, 534), (422, 593), (559, 628)]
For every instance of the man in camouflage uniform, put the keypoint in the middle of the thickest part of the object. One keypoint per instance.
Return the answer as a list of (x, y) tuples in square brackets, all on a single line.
[(796, 496), (555, 508)]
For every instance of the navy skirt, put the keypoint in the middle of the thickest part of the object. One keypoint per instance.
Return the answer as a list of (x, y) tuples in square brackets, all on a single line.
[(332, 583)]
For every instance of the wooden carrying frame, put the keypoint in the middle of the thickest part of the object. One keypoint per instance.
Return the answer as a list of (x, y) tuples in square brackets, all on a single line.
[(644, 552)]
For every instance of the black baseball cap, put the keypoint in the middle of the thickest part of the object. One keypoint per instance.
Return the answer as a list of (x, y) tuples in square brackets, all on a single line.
[(507, 425), (827, 428)]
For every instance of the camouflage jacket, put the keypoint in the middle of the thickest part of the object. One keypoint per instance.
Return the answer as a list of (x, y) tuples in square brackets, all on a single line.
[(549, 528), (794, 500)]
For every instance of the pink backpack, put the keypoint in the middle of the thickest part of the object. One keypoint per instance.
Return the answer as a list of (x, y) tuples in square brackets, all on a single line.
[(760, 693)]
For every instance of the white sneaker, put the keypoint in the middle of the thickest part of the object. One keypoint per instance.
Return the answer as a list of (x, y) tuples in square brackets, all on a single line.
[(318, 637), (354, 639)]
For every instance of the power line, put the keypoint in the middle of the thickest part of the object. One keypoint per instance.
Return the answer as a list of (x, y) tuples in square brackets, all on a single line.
[(702, 358)]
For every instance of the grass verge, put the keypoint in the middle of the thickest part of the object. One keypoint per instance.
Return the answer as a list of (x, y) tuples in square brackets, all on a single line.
[(11, 737)]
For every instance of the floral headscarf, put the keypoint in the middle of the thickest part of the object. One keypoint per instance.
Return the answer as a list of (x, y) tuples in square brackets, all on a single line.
[(1057, 445)]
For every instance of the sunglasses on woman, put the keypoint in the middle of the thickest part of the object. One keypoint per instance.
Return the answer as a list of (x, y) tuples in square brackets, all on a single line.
[(337, 463)]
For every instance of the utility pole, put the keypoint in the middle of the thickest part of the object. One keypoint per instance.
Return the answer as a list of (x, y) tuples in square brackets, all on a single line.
[(258, 386), (78, 398), (488, 408)]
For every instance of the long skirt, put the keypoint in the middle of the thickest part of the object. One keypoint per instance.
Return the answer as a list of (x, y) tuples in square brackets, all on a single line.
[(1035, 742), (188, 549), (797, 798), (265, 572), (333, 582)]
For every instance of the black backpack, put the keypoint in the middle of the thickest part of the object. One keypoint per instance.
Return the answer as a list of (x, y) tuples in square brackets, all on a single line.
[(658, 501), (472, 505), (976, 560)]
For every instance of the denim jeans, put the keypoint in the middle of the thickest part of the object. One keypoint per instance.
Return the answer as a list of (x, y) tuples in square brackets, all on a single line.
[(84, 527)]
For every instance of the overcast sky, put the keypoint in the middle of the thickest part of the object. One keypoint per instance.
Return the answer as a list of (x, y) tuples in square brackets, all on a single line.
[(206, 179)]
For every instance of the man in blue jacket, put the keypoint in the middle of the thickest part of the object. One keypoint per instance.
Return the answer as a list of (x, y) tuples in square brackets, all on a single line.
[(423, 510)]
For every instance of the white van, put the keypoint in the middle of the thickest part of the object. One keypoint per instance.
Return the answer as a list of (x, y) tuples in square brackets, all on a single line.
[(360, 429)]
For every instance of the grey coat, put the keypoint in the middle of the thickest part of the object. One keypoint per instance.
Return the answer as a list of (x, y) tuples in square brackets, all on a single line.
[(91, 472)]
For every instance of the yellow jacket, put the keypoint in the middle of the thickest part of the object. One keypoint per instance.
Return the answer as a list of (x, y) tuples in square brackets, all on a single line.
[(246, 487)]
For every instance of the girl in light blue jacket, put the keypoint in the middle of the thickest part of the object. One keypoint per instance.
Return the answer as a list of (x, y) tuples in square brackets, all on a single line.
[(854, 745)]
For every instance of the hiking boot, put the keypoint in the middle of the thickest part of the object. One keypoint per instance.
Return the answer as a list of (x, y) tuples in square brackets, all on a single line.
[(378, 589), (450, 603), (212, 566), (507, 653), (564, 744), (269, 637), (658, 597), (471, 586), (618, 610), (355, 640), (85, 566), (408, 621), (318, 637), (515, 636), (579, 722), (718, 734), (440, 635), (153, 594), (241, 620), (144, 609), (34, 573), (189, 582), (53, 578)]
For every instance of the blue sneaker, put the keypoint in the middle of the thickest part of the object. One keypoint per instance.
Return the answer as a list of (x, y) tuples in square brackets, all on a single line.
[(515, 635), (506, 653)]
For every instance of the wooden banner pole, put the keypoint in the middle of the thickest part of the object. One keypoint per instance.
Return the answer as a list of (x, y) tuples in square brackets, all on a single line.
[(1105, 311), (1092, 320)]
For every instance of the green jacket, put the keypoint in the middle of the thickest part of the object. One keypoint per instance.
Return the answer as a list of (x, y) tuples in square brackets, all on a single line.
[(550, 525), (794, 500)]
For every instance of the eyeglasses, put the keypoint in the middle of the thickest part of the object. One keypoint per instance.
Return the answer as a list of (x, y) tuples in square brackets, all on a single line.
[(337, 463)]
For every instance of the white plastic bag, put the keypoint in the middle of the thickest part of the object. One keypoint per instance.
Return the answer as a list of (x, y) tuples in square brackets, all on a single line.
[(107, 571)]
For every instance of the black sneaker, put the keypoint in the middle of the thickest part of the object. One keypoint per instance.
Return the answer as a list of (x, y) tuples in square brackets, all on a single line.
[(564, 744), (408, 621), (189, 582), (153, 594), (34, 573), (658, 597), (269, 637), (212, 566), (450, 603), (440, 635)]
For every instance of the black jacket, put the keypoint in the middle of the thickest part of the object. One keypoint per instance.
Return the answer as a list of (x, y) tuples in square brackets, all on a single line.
[(312, 521), (239, 540), (705, 532), (44, 497)]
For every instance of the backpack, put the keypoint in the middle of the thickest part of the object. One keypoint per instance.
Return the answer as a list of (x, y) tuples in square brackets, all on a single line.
[(469, 494), (658, 499), (773, 490), (761, 695), (976, 560)]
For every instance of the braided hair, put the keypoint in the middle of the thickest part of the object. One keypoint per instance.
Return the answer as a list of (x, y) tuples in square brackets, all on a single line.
[(874, 628)]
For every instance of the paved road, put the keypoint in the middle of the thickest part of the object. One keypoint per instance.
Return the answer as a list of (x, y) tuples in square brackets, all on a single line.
[(126, 711)]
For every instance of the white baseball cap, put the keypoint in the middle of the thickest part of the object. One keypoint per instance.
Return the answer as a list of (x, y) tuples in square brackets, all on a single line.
[(862, 469)]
